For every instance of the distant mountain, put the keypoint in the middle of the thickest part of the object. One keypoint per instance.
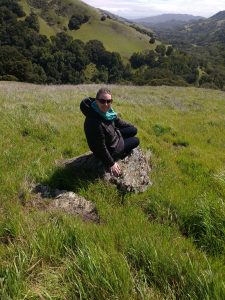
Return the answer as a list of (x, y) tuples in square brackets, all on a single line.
[(219, 16), (203, 39), (167, 18), (201, 32)]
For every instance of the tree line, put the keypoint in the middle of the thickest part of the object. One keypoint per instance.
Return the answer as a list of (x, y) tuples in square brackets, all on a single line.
[(26, 55)]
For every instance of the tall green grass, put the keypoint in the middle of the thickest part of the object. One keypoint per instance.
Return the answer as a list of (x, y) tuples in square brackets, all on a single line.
[(167, 243)]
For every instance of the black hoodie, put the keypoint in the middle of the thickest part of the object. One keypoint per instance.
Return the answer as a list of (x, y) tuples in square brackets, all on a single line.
[(103, 136)]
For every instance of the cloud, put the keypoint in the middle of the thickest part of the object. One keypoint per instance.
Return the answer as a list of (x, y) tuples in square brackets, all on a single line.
[(141, 8)]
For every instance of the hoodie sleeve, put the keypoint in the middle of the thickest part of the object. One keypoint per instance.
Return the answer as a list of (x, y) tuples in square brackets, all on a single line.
[(119, 123), (96, 141)]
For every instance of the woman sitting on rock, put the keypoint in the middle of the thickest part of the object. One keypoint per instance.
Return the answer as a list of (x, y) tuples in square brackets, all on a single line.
[(108, 137)]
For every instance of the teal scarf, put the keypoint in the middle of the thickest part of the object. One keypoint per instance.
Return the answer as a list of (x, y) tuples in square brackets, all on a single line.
[(110, 115)]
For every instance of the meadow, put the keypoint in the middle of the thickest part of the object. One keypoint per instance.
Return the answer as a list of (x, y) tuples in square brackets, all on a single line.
[(166, 243)]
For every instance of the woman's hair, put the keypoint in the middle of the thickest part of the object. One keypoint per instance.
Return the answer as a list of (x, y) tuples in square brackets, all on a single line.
[(102, 91)]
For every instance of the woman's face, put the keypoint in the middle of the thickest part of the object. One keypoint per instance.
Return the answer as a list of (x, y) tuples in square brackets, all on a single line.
[(104, 102)]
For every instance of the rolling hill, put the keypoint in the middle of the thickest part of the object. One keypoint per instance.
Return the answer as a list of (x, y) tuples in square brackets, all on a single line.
[(115, 34)]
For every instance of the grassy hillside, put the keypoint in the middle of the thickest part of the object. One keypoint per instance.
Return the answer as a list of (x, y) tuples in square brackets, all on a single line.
[(166, 243), (116, 36)]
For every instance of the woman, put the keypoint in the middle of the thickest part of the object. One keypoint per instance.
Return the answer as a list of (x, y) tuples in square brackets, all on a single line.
[(108, 137)]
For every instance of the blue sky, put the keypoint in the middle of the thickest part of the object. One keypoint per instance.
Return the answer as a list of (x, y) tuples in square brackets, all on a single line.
[(145, 8)]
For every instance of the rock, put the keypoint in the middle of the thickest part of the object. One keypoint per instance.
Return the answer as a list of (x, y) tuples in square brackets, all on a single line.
[(135, 173), (134, 178), (61, 200), (85, 163), (135, 170)]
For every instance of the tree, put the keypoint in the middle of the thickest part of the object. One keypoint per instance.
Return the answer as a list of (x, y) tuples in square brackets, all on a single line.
[(78, 56), (95, 51), (115, 67), (128, 72), (32, 22), (61, 41), (37, 75), (14, 63), (90, 72), (13, 6), (150, 58), (103, 75), (169, 50), (137, 60), (74, 23), (77, 20), (152, 40), (161, 50)]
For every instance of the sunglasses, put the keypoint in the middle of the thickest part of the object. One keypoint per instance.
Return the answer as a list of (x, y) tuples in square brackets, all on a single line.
[(103, 101)]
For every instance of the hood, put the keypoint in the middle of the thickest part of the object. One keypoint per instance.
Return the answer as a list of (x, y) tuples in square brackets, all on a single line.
[(85, 107)]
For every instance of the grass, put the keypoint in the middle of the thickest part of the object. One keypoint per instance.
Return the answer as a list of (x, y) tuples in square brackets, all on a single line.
[(167, 243), (115, 36)]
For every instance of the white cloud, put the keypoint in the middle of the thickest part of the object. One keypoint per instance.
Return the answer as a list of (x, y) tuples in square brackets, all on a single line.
[(144, 8)]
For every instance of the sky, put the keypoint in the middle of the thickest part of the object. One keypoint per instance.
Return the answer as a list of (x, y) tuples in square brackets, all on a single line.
[(146, 8)]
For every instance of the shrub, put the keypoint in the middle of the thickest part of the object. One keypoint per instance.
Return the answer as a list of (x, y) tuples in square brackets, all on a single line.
[(152, 40), (77, 20), (9, 78)]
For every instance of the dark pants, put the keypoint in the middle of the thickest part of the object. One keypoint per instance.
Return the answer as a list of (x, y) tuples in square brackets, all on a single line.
[(130, 140)]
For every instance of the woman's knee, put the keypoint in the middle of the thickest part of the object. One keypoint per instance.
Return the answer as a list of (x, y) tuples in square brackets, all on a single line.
[(131, 143), (134, 130), (131, 131), (137, 141)]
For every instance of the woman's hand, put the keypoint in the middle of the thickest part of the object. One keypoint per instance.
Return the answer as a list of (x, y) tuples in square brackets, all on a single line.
[(115, 169)]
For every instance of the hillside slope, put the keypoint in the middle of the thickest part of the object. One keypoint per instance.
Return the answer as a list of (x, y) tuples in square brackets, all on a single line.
[(116, 35)]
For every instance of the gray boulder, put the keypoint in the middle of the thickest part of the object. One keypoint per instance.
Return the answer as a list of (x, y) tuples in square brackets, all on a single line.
[(60, 200), (135, 170), (134, 178)]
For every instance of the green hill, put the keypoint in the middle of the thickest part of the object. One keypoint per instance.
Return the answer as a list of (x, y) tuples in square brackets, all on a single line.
[(166, 243), (65, 42), (116, 35)]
